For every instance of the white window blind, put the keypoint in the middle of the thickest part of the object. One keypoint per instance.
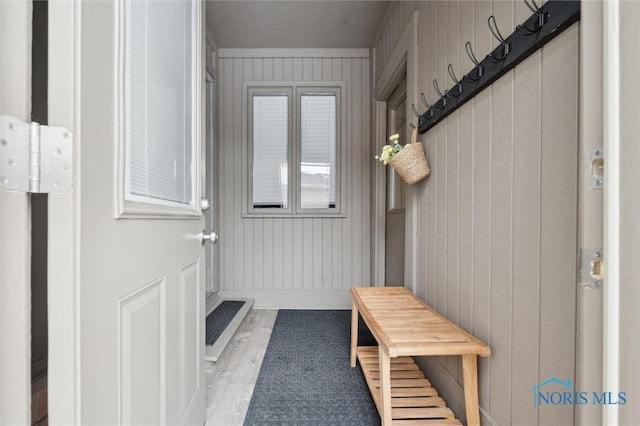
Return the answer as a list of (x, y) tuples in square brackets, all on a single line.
[(158, 91), (318, 151), (270, 151)]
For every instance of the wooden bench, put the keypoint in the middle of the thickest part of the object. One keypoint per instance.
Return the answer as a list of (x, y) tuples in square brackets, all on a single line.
[(405, 326)]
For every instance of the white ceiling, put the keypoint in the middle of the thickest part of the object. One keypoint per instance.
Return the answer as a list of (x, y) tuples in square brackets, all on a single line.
[(294, 24)]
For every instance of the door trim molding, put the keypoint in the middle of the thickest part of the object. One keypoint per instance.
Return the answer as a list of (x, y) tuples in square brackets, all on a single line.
[(612, 208), (15, 227), (64, 221), (403, 60)]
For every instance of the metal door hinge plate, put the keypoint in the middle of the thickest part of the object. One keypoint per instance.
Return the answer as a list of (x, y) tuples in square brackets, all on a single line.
[(35, 158), (591, 268), (596, 168)]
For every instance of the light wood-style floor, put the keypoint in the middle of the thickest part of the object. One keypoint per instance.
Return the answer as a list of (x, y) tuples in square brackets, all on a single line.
[(230, 380)]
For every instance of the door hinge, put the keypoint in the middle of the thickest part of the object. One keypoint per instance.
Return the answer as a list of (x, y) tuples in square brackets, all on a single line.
[(35, 158), (591, 268)]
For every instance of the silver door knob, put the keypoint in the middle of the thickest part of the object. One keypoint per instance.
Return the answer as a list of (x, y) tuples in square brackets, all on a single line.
[(212, 237), (204, 204)]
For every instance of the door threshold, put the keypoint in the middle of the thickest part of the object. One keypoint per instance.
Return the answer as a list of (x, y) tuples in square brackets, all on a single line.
[(214, 352), (213, 300)]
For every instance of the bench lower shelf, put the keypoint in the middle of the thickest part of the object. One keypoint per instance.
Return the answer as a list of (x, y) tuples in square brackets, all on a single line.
[(413, 400)]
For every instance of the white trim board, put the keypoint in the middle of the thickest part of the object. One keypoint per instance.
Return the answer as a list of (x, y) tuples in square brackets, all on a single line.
[(214, 352), (294, 299), (293, 53), (612, 209)]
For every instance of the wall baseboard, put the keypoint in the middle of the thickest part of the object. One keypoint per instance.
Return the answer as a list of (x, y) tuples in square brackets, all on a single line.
[(293, 299)]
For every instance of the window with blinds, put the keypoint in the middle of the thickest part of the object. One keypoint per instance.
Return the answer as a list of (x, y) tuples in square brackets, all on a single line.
[(159, 86), (270, 151), (317, 151), (293, 155)]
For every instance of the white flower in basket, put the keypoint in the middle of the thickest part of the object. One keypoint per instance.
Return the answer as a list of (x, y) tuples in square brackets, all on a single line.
[(408, 160)]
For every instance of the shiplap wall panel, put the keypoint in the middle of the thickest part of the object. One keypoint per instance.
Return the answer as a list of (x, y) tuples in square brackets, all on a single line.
[(422, 196), (466, 146), (481, 238), (501, 217), (501, 191), (271, 255), (451, 228), (526, 232), (497, 240), (559, 211), (451, 57)]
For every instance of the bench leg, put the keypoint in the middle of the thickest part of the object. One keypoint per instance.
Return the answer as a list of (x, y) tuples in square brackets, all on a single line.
[(470, 373), (354, 333), (385, 388)]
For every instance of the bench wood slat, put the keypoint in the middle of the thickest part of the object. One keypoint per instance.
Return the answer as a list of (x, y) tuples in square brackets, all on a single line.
[(422, 413), (430, 422), (426, 401)]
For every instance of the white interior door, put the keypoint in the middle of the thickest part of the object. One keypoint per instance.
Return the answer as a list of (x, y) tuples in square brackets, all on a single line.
[(15, 224), (127, 266)]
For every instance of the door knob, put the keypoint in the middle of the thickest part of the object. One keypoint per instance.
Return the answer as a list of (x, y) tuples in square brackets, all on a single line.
[(212, 237)]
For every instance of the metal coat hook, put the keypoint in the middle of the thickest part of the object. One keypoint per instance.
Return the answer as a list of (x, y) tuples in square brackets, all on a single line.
[(542, 19), (430, 108), (542, 16), (439, 93), (455, 79), (532, 6), (473, 59), (498, 36), (545, 20), (415, 111)]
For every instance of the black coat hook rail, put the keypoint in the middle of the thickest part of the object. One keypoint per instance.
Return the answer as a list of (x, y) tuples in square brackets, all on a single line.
[(544, 25)]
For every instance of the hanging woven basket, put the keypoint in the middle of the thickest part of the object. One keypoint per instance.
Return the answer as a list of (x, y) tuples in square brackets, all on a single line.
[(410, 163)]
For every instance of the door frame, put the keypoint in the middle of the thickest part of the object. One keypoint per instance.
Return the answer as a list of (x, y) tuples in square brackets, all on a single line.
[(64, 391), (15, 226), (212, 263), (211, 169), (589, 302), (395, 209), (403, 61)]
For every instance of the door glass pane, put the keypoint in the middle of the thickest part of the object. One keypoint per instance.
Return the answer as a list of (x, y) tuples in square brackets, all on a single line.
[(318, 151), (158, 92), (270, 153)]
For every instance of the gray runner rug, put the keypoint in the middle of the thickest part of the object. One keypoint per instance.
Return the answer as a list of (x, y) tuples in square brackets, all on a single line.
[(305, 378)]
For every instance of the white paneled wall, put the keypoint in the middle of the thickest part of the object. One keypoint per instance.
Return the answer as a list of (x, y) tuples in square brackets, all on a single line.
[(294, 262), (497, 217)]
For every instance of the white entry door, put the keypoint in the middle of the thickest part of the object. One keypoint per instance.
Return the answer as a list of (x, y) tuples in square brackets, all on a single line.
[(15, 223), (126, 260)]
